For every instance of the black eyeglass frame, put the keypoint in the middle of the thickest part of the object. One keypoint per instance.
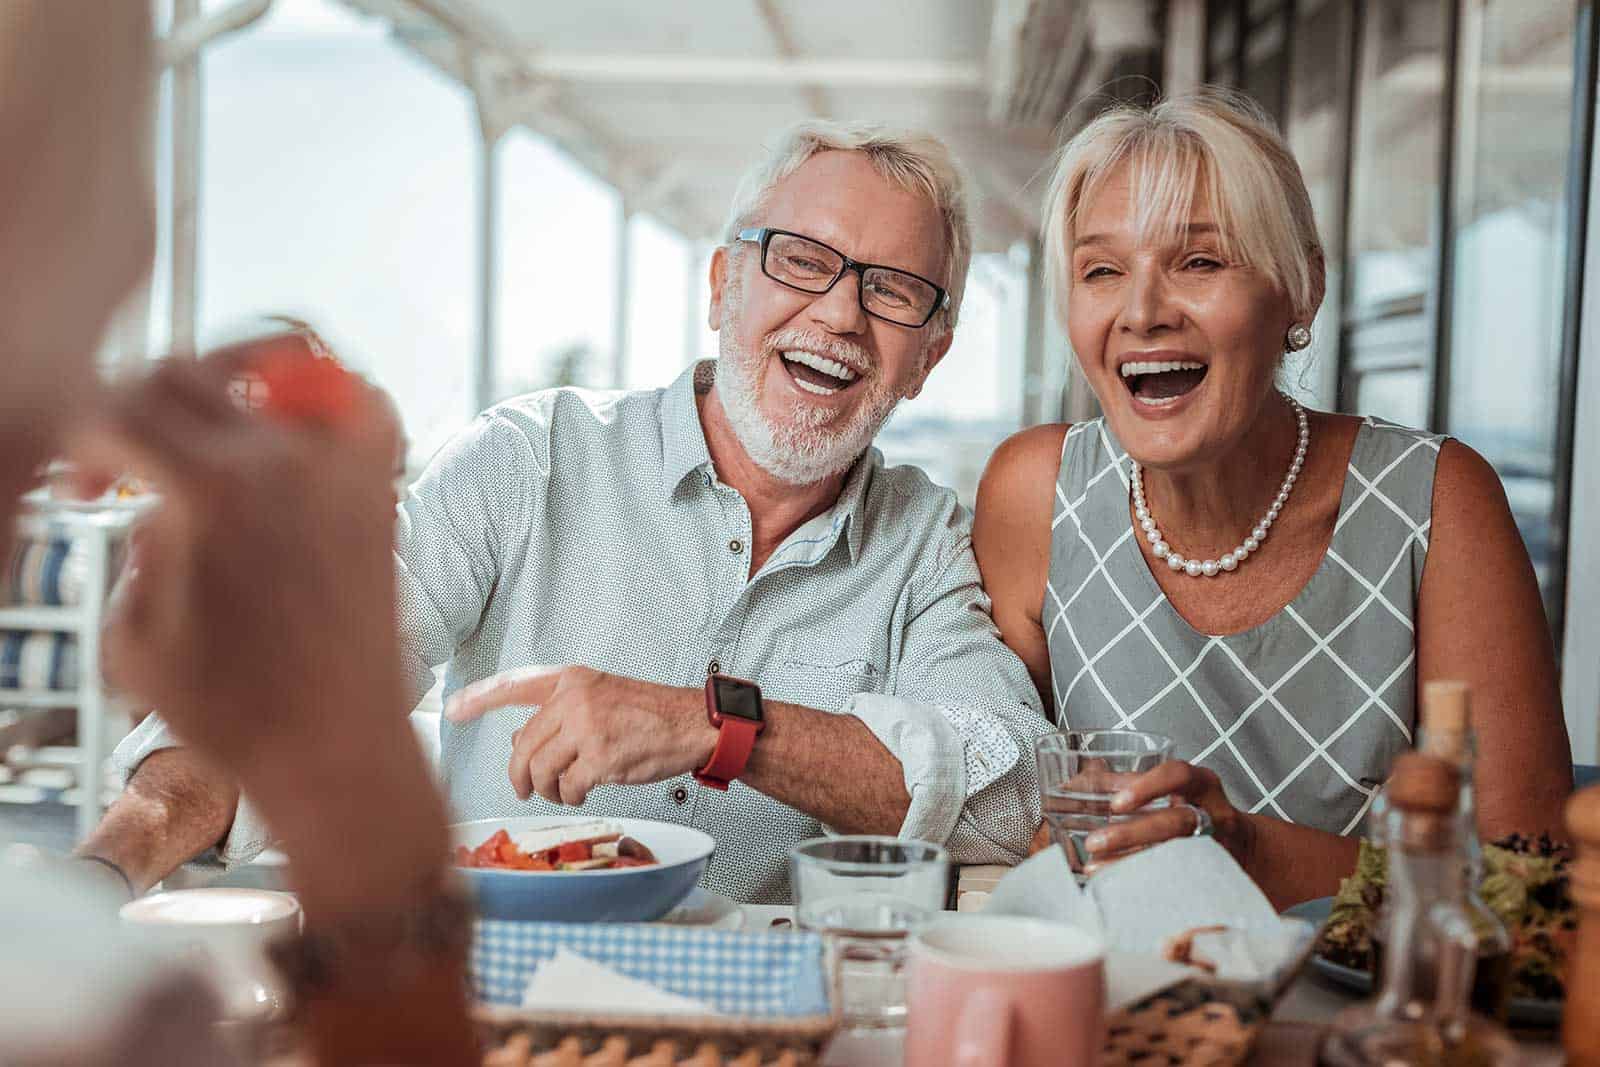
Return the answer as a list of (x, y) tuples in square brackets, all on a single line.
[(763, 235)]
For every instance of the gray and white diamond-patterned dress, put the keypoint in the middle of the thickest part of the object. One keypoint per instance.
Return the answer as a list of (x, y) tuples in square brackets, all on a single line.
[(1300, 716)]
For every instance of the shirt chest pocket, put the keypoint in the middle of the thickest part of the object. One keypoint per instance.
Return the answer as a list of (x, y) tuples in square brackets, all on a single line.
[(819, 674)]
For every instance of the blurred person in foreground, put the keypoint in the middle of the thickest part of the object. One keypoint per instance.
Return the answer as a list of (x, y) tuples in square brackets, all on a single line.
[(595, 556), (280, 669), (1267, 585)]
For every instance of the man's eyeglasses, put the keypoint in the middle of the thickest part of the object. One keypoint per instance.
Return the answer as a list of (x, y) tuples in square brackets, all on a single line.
[(887, 293)]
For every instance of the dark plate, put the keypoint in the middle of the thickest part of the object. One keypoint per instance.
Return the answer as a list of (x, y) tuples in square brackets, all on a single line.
[(1521, 1011)]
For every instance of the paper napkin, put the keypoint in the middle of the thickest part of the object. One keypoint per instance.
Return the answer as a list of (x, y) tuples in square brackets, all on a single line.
[(570, 982)]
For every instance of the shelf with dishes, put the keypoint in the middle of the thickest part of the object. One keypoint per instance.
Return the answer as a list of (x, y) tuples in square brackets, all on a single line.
[(53, 594)]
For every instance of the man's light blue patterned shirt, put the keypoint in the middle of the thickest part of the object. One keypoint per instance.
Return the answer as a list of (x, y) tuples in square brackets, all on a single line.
[(572, 526)]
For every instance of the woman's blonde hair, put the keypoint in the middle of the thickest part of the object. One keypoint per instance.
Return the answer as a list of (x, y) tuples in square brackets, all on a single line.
[(917, 162), (1213, 140)]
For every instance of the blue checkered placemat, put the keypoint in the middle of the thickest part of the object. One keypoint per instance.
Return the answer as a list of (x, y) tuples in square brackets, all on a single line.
[(758, 974)]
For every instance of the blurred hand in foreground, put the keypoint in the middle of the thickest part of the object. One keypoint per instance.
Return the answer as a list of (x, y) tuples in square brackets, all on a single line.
[(260, 589)]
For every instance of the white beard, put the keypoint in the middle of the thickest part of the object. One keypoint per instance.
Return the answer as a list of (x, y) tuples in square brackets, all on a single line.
[(802, 449)]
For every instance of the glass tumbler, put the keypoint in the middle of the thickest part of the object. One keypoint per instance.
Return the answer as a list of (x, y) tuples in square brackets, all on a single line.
[(866, 895)]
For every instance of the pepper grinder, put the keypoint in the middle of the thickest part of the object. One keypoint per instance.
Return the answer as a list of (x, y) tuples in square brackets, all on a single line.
[(1580, 1027)]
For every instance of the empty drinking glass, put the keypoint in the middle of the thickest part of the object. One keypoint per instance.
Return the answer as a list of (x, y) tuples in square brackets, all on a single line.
[(1080, 770), (866, 895)]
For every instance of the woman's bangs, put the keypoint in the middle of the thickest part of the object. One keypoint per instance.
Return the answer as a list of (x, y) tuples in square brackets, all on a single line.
[(1165, 172)]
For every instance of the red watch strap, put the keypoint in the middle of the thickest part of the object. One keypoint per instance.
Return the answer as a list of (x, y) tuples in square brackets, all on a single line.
[(736, 739)]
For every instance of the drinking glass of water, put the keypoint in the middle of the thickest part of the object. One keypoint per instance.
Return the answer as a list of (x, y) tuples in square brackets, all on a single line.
[(1080, 770), (866, 895)]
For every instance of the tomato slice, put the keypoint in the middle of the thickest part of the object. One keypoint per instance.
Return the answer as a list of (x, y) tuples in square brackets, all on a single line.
[(486, 854), (574, 852), (500, 851)]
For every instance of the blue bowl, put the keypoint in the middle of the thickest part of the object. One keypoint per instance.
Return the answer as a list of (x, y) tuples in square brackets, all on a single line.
[(629, 894)]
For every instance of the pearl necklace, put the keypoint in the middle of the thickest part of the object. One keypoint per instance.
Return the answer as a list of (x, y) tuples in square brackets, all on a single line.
[(1195, 568)]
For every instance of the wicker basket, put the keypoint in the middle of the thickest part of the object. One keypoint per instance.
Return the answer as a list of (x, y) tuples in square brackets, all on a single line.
[(519, 1038), (1193, 1023), (1202, 1021)]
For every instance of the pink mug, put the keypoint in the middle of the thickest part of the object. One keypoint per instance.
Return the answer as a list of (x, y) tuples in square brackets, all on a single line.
[(1000, 991)]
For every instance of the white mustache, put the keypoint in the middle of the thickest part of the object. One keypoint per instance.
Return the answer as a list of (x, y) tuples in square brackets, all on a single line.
[(847, 352)]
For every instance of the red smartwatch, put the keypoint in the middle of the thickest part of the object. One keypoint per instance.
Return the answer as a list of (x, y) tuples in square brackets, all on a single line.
[(734, 707)]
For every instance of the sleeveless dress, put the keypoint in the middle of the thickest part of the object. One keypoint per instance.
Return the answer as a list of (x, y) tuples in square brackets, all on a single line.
[(1300, 716)]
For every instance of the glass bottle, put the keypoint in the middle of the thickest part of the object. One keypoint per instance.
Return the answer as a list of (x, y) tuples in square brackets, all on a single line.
[(1445, 731), (1422, 1013)]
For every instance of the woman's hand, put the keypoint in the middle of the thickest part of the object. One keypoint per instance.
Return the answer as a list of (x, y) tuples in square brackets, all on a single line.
[(1198, 805)]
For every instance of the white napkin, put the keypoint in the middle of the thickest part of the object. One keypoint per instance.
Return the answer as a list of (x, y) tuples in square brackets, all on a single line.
[(1137, 903), (570, 982), (1173, 888), (1253, 952), (1193, 882), (1042, 887)]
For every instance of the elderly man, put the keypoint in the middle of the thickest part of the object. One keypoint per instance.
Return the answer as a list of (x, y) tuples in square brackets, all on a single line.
[(586, 561)]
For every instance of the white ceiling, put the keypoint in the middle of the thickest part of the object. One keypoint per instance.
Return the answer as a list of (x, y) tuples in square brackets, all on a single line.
[(670, 102)]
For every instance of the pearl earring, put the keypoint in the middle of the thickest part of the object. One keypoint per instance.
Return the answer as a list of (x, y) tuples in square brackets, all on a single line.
[(1299, 337)]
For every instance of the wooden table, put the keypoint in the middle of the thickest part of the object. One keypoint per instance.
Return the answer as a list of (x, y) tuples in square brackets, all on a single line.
[(1289, 1040)]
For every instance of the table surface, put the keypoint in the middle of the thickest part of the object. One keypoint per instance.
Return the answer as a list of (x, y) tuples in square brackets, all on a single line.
[(1289, 1040)]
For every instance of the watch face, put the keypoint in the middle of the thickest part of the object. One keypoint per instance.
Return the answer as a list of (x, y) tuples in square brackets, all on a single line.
[(738, 698)]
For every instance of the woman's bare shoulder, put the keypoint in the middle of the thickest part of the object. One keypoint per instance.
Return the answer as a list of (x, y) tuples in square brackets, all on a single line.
[(1011, 526), (1023, 468)]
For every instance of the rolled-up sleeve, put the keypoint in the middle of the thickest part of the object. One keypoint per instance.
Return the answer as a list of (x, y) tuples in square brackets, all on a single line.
[(448, 535), (961, 716), (247, 837)]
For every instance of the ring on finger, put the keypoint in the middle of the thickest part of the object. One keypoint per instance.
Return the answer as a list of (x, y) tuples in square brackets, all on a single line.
[(1202, 821)]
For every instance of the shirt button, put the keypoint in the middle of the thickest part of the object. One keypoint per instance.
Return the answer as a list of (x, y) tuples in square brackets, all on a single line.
[(736, 546), (680, 796), (713, 668)]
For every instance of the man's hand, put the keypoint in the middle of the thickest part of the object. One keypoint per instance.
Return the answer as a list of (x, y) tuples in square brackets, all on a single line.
[(592, 729)]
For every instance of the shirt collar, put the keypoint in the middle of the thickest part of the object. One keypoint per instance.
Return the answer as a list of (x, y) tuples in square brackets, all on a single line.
[(684, 451), (852, 498), (683, 439), (812, 542)]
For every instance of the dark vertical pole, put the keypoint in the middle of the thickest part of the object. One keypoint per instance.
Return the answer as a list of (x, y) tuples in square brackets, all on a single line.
[(1444, 220), (1241, 28), (1344, 394), (1580, 163), (1286, 19)]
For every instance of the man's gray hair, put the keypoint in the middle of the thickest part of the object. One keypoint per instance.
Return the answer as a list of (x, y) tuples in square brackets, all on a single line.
[(918, 162)]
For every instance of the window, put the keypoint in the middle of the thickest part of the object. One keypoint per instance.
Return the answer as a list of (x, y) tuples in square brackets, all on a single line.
[(1222, 42), (336, 185), (973, 398), (1511, 233), (556, 293), (1393, 255), (556, 313), (1317, 119), (1264, 57), (666, 322)]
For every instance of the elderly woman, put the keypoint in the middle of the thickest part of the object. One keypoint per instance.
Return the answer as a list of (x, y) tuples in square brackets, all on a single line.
[(1266, 584)]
